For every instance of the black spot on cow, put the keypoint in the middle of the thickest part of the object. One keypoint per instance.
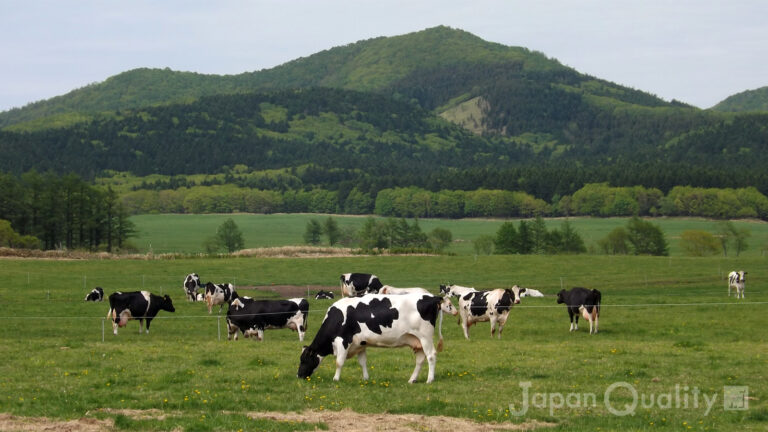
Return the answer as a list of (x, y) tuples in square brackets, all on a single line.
[(479, 303), (429, 307), (505, 302)]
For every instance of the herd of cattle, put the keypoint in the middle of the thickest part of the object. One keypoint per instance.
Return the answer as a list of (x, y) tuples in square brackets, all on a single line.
[(371, 314)]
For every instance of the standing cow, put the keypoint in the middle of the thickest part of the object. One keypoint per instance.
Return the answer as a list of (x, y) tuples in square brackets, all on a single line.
[(218, 294), (358, 284), (493, 306), (351, 325), (736, 281), (581, 300), (138, 305), (191, 286), (252, 317)]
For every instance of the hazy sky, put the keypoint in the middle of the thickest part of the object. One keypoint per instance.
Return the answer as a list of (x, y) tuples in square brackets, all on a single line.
[(695, 51)]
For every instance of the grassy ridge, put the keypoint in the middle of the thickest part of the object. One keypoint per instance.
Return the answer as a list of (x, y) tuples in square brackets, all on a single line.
[(55, 364), (185, 233)]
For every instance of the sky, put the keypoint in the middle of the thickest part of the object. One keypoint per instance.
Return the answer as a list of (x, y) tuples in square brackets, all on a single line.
[(695, 51)]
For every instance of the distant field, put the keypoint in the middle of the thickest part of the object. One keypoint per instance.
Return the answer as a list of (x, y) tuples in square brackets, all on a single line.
[(185, 233), (668, 332)]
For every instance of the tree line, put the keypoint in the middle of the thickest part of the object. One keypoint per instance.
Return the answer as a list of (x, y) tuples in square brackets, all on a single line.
[(593, 199), (55, 212)]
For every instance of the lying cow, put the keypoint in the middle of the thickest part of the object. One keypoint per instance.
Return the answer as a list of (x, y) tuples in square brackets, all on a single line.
[(96, 295), (386, 289), (358, 284), (530, 292), (191, 286), (581, 301), (736, 281), (138, 305), (351, 325), (252, 317), (493, 306), (218, 294), (323, 295)]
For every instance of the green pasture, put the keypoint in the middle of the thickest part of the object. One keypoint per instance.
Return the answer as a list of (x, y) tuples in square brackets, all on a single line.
[(186, 233), (668, 332)]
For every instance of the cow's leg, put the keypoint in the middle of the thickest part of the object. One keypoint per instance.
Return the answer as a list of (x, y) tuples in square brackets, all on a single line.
[(362, 358), (502, 321), (465, 324), (341, 357), (420, 356), (597, 320), (570, 317), (429, 352)]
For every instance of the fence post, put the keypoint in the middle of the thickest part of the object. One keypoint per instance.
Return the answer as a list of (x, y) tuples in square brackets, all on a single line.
[(218, 325), (102, 329)]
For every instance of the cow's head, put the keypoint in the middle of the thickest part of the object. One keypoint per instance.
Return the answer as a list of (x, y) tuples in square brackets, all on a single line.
[(447, 307), (445, 289), (308, 362), (561, 296), (167, 304), (514, 293)]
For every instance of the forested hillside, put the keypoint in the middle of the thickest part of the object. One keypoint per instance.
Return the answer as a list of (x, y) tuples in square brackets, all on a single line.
[(750, 100)]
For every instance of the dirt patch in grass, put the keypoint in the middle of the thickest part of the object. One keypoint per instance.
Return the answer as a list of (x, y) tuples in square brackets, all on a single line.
[(350, 421), (346, 420), (85, 424)]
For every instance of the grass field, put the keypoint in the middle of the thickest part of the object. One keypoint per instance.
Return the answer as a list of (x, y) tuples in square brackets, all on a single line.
[(668, 332), (185, 233)]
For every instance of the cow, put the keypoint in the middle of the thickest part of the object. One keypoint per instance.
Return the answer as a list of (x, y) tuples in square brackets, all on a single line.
[(493, 306), (386, 289), (323, 295), (530, 292), (584, 301), (191, 286), (351, 325), (218, 294), (96, 295), (252, 317), (138, 305), (736, 281), (358, 284), (455, 290)]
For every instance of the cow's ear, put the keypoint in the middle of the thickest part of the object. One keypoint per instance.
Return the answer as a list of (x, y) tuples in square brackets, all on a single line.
[(522, 290)]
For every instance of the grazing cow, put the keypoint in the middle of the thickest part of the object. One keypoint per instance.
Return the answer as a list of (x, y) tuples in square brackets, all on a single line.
[(493, 306), (351, 325), (736, 281), (138, 305), (252, 317), (386, 289), (358, 284), (96, 295), (584, 301), (323, 295), (530, 292), (218, 294), (191, 285)]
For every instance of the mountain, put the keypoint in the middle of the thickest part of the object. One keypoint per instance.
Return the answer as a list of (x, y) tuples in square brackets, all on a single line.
[(437, 66), (413, 107), (750, 100)]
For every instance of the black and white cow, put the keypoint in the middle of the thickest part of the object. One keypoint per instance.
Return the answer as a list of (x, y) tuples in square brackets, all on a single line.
[(323, 295), (494, 305), (191, 286), (351, 325), (581, 300), (252, 317), (358, 284), (218, 294), (138, 305), (96, 295), (736, 281)]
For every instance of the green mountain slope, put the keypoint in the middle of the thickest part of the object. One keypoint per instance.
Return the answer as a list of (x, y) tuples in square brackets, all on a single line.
[(434, 67), (750, 100)]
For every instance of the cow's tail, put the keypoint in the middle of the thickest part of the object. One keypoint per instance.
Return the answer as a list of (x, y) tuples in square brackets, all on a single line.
[(440, 331), (598, 299)]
